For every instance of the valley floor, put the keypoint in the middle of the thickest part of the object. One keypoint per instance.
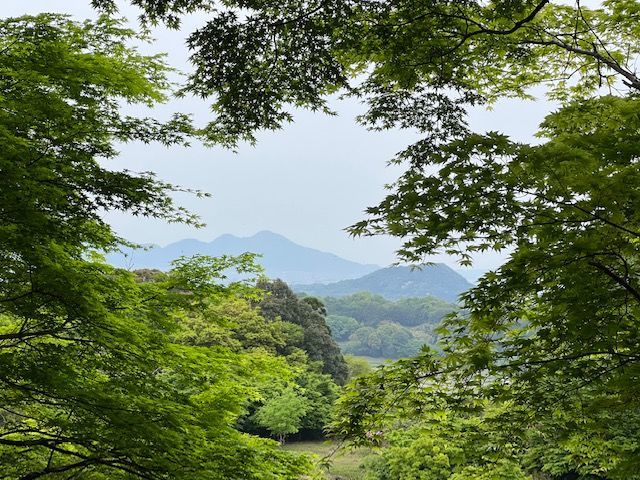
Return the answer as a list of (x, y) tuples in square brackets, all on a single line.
[(345, 464)]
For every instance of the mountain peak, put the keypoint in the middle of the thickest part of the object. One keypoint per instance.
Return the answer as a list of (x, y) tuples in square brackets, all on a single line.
[(226, 237), (269, 235)]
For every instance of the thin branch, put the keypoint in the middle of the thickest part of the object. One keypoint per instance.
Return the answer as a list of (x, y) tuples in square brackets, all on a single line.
[(302, 16), (577, 356), (632, 80), (617, 278)]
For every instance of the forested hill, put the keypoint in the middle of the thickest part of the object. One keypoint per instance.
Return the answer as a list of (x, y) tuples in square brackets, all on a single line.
[(393, 283), (366, 324), (281, 257)]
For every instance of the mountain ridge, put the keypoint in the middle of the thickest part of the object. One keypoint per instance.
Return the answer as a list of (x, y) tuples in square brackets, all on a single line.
[(393, 283), (281, 257), (306, 269)]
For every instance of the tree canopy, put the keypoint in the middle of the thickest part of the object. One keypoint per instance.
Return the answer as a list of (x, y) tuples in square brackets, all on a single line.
[(95, 381), (281, 303), (370, 309), (282, 414), (419, 62)]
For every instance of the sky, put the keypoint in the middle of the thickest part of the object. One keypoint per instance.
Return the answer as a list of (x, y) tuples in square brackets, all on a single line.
[(307, 182)]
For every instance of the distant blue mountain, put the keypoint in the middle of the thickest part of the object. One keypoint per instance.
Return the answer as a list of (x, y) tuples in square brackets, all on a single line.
[(281, 257), (394, 283)]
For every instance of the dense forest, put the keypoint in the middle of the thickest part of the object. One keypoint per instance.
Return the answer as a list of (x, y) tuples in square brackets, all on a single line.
[(183, 374), (370, 325)]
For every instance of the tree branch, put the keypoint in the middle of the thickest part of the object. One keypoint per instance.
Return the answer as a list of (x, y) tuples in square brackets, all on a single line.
[(617, 278)]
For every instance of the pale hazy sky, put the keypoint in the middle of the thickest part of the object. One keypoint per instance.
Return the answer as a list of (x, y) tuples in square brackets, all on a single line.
[(306, 182)]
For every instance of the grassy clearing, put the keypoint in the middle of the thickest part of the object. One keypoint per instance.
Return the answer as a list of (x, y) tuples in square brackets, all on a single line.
[(376, 361), (373, 361), (344, 464)]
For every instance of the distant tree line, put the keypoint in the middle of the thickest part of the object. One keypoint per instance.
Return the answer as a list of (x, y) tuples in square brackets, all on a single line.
[(370, 325), (370, 309)]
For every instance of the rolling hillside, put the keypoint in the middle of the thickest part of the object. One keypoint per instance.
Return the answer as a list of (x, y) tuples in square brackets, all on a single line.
[(393, 283)]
